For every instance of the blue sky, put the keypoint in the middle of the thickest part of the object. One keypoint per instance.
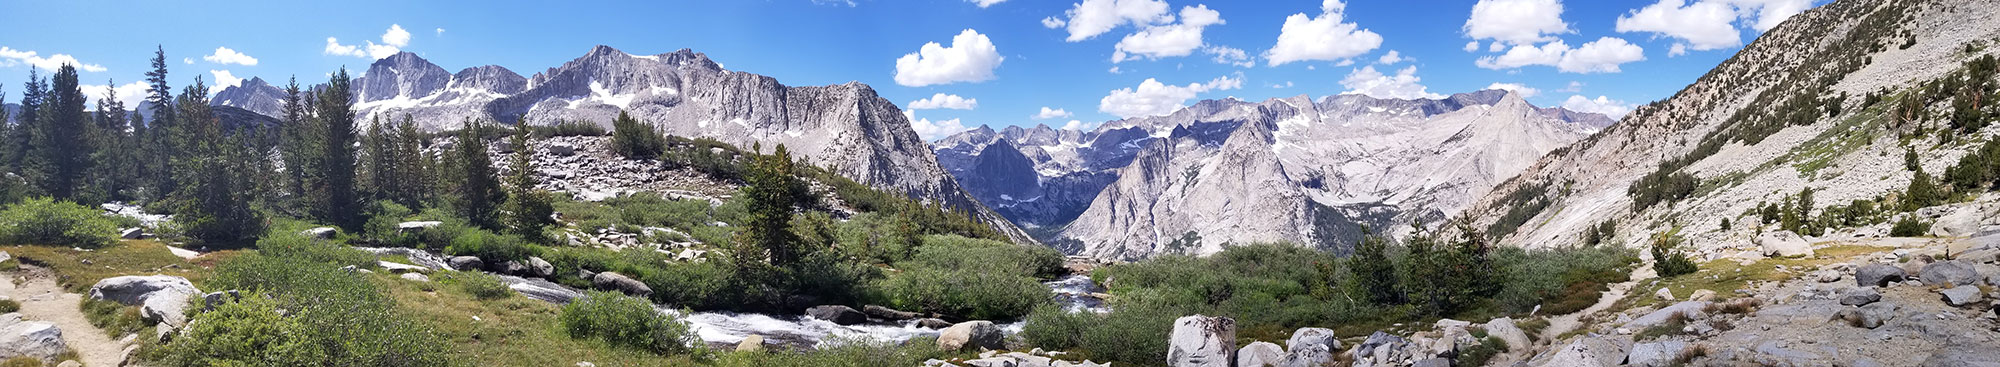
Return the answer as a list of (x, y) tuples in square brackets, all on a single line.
[(1013, 57)]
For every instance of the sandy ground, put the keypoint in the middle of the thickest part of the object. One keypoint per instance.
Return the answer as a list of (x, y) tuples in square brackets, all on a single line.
[(42, 300)]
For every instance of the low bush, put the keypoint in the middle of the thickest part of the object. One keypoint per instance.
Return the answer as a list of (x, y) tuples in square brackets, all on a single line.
[(43, 221), (626, 321), (113, 317), (23, 361), (987, 256), (251, 331), (489, 247), (9, 306), (965, 293), (634, 139), (346, 316), (569, 128), (1910, 226), (1479, 354), (482, 286)]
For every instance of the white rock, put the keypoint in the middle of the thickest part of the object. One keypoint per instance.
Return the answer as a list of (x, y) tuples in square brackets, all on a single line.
[(1784, 244), (1202, 341)]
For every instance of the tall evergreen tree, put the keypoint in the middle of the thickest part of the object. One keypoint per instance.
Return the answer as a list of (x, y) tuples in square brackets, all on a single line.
[(65, 139), (160, 145), (298, 147), (415, 165), (22, 157), (380, 168), (479, 191), (338, 203), (1374, 272), (113, 174), (217, 208), (528, 209), (773, 194)]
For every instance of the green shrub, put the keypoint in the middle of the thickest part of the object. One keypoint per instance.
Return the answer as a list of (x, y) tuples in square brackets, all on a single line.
[(1669, 262), (988, 256), (569, 128), (634, 139), (1479, 354), (296, 246), (22, 361), (43, 221), (1909, 226), (252, 331), (1054, 328), (482, 286), (9, 306), (626, 321), (355, 323), (1557, 278), (489, 247), (651, 210), (113, 317), (970, 294)]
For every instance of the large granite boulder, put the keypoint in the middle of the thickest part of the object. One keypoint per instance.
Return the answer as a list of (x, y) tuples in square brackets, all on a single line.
[(1953, 273), (1878, 275), (1260, 354), (837, 314), (1312, 336), (132, 290), (971, 334), (1505, 329), (465, 263), (1202, 341), (34, 339), (1784, 244), (622, 284)]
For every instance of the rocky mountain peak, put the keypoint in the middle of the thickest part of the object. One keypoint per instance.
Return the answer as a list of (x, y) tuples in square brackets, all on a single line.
[(403, 75), (489, 78), (254, 95)]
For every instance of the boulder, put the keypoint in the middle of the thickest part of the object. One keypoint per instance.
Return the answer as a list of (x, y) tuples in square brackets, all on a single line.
[(1784, 244), (1962, 295), (1702, 295), (1980, 255), (466, 263), (406, 227), (1588, 351), (837, 314), (1860, 296), (1202, 341), (132, 290), (540, 268), (1962, 221), (401, 267), (1432, 362), (1954, 273), (132, 233), (933, 323), (621, 283), (1664, 294), (1691, 308), (30, 338), (1309, 355), (1962, 356), (541, 289), (1870, 316), (1312, 336), (415, 277), (515, 268), (1260, 354), (886, 313), (753, 343), (970, 334), (70, 363), (167, 308), (562, 149), (1657, 354), (1380, 347), (1878, 275), (320, 233), (1505, 329)]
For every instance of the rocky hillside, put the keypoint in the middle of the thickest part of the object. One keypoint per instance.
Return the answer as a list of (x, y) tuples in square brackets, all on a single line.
[(254, 95), (846, 128), (1829, 102), (1230, 171)]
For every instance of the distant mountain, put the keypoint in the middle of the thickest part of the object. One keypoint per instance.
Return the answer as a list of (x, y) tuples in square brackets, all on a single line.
[(253, 95), (846, 128), (1228, 171)]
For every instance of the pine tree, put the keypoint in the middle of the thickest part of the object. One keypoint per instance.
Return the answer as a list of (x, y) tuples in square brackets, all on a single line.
[(217, 211), (380, 168), (1921, 192), (773, 193), (414, 165), (24, 159), (338, 203), (634, 139), (1374, 272), (161, 146), (298, 146), (65, 139), (479, 192), (113, 159), (528, 209), (12, 187)]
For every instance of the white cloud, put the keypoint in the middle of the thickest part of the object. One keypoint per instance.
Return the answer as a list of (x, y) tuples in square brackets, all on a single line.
[(1152, 98), (1323, 38), (187, 60), (934, 130), (1601, 56), (1170, 40), (1391, 58), (848, 3), (11, 57), (440, 31), (1229, 56), (971, 58), (1286, 84), (1616, 109), (941, 100), (1115, 70), (224, 79), (1518, 22), (1573, 87), (396, 36), (1496, 47), (1771, 12), (1090, 18), (985, 3), (1079, 125), (1472, 46), (1701, 26), (393, 41), (1048, 113), (130, 94), (1523, 90), (1404, 85), (225, 56)]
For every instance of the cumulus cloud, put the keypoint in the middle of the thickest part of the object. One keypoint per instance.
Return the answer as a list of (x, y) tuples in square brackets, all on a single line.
[(1079, 125), (1229, 56), (1049, 113), (985, 3), (1708, 24), (129, 94), (1169, 40), (224, 79), (971, 58), (1391, 58), (1324, 37), (934, 130), (1616, 109), (393, 42), (225, 56), (1090, 18), (1472, 46), (1404, 85), (1517, 88), (1517, 22), (187, 60), (1601, 56), (1153, 98), (440, 31), (11, 57), (947, 101)]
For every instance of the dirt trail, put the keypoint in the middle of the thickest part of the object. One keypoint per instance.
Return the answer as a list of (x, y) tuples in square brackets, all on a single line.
[(42, 300), (1565, 323)]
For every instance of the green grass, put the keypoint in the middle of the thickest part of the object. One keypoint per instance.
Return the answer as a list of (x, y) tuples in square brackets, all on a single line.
[(76, 270), (514, 331), (1850, 134)]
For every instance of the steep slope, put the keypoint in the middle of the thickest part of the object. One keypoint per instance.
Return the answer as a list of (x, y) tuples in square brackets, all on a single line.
[(254, 95), (1292, 170), (1825, 101)]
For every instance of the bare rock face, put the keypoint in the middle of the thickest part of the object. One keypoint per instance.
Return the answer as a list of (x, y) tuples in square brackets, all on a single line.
[(1202, 341), (254, 95), (33, 339), (971, 334), (1784, 244)]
